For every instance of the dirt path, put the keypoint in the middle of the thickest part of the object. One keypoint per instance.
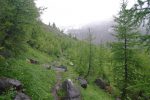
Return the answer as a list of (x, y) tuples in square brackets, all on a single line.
[(57, 85)]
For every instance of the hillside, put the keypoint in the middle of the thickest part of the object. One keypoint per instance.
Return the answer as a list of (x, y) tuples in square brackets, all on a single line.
[(37, 80), (41, 62), (45, 45)]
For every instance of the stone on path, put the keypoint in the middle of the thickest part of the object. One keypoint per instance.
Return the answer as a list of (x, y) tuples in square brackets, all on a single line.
[(101, 83), (7, 83), (83, 82), (72, 93), (21, 96)]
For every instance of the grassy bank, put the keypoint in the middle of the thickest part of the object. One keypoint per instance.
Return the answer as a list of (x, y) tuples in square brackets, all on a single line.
[(37, 81)]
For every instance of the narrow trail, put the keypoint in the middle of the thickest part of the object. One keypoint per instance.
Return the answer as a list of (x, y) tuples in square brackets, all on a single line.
[(57, 85)]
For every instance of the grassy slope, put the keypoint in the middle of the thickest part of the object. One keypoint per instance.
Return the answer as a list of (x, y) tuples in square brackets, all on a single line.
[(92, 92), (36, 79)]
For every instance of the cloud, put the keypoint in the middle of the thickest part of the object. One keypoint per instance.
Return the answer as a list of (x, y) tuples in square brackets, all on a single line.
[(73, 13)]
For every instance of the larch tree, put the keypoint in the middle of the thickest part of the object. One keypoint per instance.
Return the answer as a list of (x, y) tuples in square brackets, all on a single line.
[(141, 18), (90, 38), (124, 49)]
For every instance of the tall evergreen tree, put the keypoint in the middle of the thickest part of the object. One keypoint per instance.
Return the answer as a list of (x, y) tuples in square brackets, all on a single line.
[(123, 50), (17, 18), (141, 18)]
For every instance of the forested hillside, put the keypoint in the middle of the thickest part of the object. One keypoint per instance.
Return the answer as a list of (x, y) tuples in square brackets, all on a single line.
[(31, 52)]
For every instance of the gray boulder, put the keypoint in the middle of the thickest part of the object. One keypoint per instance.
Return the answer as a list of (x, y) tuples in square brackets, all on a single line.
[(15, 83), (72, 93), (83, 82), (3, 85), (21, 96), (7, 83), (101, 83)]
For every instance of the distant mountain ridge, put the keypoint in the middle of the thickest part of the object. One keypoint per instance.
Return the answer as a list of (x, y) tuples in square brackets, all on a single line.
[(101, 31)]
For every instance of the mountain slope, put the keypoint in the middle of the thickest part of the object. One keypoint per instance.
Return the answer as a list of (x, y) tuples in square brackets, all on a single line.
[(101, 31)]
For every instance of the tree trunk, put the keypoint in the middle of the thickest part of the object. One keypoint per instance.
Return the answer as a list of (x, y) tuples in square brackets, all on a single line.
[(124, 91), (90, 55)]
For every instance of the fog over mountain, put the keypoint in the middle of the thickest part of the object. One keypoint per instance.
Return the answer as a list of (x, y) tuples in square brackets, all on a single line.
[(101, 31)]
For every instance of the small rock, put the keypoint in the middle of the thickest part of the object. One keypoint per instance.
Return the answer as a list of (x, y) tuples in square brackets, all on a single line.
[(4, 84), (60, 68), (63, 67), (47, 66), (32, 61), (118, 98), (21, 96), (101, 83), (7, 83), (83, 82), (14, 82)]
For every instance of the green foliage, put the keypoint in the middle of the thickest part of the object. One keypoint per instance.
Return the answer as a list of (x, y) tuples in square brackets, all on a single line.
[(8, 95), (61, 93), (127, 54), (36, 80), (24, 36), (94, 93), (121, 51), (17, 20)]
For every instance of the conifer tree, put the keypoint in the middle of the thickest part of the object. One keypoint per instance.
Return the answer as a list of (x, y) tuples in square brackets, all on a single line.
[(141, 18), (90, 54), (124, 49), (17, 19)]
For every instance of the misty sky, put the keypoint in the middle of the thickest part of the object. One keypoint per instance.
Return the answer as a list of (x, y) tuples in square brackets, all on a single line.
[(75, 13)]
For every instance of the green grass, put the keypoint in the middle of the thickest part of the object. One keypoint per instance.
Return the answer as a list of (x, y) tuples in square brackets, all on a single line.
[(95, 93), (7, 95), (37, 81), (92, 92)]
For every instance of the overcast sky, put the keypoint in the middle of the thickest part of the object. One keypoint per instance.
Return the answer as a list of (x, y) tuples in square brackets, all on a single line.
[(76, 13)]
